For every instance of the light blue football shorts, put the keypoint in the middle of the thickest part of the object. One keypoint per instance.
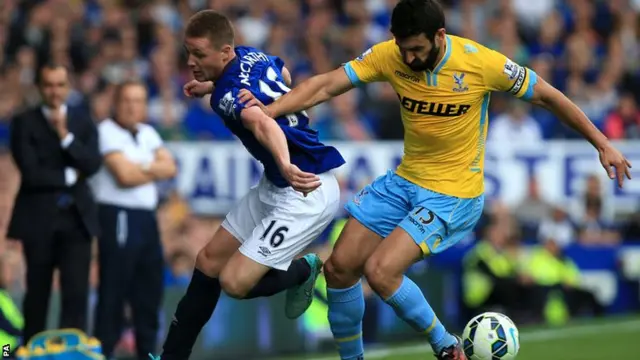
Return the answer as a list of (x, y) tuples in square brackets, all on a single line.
[(434, 221)]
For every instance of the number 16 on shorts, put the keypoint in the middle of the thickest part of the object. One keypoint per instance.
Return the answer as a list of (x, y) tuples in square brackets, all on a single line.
[(276, 237)]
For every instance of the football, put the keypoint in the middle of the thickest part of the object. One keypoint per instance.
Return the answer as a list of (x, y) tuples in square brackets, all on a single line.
[(491, 336)]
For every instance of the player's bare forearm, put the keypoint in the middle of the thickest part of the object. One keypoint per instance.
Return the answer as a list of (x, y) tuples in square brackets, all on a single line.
[(311, 92), (553, 100), (268, 133), (613, 161)]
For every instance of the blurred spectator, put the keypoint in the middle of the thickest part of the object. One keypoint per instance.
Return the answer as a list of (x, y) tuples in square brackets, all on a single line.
[(350, 125), (386, 109), (532, 210), (624, 122), (515, 128), (549, 267), (593, 229), (631, 230), (504, 36), (202, 123), (130, 250), (550, 126), (254, 26), (593, 194), (549, 41), (557, 228), (11, 320), (493, 280), (595, 215), (181, 268), (591, 46), (592, 91), (531, 14)]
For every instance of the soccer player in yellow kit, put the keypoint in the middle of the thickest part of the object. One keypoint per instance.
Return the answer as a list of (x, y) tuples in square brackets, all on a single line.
[(435, 197)]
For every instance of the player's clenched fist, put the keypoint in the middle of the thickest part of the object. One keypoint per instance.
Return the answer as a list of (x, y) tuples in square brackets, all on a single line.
[(195, 88), (299, 180)]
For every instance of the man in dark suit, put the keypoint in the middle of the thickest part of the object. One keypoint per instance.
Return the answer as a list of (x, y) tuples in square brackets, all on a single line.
[(55, 216)]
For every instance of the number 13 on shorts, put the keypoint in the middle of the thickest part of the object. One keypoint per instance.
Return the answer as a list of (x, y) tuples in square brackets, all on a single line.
[(426, 229), (434, 233)]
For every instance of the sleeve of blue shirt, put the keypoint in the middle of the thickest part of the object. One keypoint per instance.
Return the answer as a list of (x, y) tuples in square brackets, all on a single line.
[(279, 63)]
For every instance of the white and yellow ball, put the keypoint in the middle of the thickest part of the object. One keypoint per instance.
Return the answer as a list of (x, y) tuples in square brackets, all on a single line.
[(491, 336)]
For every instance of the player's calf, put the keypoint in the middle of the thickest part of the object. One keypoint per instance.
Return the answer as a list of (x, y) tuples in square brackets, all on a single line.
[(384, 271), (343, 272), (406, 299), (198, 303), (346, 303)]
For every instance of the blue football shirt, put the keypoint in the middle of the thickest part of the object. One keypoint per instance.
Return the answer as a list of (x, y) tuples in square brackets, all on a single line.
[(262, 75)]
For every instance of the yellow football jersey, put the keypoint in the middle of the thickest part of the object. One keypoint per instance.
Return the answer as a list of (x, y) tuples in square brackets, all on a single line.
[(445, 111)]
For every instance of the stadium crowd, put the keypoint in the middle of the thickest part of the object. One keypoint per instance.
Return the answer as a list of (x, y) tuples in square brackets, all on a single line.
[(106, 41), (589, 49)]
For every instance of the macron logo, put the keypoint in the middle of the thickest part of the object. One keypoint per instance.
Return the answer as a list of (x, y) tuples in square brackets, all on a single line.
[(409, 77)]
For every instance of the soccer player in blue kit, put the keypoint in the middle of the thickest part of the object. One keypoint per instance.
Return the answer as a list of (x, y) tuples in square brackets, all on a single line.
[(252, 253)]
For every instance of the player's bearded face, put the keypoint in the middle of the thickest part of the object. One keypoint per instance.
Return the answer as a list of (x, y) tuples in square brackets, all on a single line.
[(420, 53), (428, 63)]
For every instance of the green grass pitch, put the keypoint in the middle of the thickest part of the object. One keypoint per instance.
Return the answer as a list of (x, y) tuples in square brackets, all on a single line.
[(615, 338)]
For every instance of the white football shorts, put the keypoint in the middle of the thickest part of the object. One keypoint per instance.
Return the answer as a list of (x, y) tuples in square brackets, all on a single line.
[(275, 224)]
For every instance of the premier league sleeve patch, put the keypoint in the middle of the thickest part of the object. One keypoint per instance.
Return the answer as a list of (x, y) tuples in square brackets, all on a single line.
[(364, 54)]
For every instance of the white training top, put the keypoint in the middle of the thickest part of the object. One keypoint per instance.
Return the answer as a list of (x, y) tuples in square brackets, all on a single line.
[(140, 149)]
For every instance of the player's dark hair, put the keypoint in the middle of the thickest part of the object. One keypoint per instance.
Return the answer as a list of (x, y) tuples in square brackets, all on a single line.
[(48, 66), (415, 17), (212, 25)]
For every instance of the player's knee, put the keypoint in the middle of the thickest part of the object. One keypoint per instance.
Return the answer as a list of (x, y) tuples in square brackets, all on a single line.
[(208, 262), (339, 272), (378, 274), (232, 286)]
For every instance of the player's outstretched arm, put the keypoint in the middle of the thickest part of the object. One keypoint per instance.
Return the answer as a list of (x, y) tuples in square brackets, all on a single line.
[(310, 92), (270, 135), (553, 100)]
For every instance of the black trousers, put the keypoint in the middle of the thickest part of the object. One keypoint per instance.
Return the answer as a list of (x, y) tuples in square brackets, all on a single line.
[(523, 303), (67, 248), (131, 272), (581, 302), (529, 300)]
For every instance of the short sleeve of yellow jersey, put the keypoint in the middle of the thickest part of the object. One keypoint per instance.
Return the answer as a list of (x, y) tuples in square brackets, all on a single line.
[(502, 74), (369, 67)]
